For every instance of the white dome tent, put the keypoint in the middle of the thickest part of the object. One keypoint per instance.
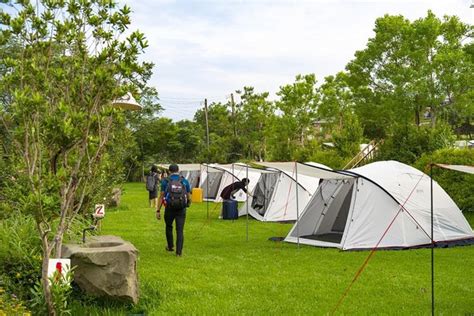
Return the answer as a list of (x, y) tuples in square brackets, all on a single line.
[(384, 204), (275, 195)]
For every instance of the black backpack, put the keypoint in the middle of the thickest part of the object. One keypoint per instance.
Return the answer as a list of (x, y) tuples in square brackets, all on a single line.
[(151, 182), (176, 195)]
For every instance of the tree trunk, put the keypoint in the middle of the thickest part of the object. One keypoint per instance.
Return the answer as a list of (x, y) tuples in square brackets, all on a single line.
[(433, 118), (58, 244), (44, 278), (417, 116)]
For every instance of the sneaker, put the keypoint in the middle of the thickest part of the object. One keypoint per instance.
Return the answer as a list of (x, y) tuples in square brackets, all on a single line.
[(169, 249), (178, 255)]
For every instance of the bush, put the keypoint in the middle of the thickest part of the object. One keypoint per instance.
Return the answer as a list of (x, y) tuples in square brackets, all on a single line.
[(10, 305), (457, 184), (347, 139), (20, 254), (330, 158), (408, 142)]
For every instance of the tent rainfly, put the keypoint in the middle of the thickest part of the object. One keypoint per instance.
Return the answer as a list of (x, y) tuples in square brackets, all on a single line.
[(384, 204), (274, 196)]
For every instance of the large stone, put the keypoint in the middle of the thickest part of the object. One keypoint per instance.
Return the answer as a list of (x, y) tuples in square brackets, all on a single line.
[(106, 266), (115, 197)]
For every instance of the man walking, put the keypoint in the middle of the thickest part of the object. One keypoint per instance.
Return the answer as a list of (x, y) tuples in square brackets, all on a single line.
[(176, 194)]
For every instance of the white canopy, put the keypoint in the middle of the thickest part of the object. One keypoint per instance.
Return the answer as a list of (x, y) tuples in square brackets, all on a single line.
[(183, 167), (461, 168)]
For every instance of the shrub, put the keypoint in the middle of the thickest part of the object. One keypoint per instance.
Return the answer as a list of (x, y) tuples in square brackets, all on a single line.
[(20, 254), (10, 305), (330, 158), (61, 290), (457, 184), (408, 142), (347, 139)]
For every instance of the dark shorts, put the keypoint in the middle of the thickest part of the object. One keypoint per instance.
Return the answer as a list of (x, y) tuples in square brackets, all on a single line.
[(152, 194)]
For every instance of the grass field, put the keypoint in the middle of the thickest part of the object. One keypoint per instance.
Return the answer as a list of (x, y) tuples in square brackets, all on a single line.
[(222, 273)]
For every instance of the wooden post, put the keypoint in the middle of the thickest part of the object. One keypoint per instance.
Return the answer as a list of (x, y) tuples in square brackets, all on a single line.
[(207, 125), (232, 103)]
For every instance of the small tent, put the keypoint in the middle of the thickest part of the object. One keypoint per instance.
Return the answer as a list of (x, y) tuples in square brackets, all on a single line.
[(384, 204), (275, 195)]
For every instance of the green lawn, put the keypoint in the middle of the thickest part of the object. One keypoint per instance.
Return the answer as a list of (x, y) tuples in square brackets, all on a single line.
[(222, 273)]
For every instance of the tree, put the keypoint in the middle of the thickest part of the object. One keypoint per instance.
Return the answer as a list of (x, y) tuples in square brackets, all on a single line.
[(255, 115), (336, 100), (408, 68), (220, 132), (294, 126), (348, 138), (163, 141), (73, 60)]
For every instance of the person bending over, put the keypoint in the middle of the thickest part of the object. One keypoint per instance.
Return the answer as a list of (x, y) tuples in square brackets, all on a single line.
[(228, 193)]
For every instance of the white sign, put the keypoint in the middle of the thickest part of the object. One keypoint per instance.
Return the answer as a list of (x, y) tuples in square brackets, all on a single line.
[(61, 266), (99, 211)]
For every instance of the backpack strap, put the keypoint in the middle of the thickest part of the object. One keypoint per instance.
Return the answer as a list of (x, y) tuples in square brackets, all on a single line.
[(168, 181)]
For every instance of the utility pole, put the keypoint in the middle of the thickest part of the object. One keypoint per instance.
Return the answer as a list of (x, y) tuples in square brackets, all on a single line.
[(232, 103), (207, 124)]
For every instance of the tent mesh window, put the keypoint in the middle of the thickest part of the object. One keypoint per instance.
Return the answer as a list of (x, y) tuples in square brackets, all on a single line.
[(214, 182), (192, 177), (332, 224), (263, 192)]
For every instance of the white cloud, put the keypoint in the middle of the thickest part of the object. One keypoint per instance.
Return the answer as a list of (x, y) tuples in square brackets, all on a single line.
[(211, 48)]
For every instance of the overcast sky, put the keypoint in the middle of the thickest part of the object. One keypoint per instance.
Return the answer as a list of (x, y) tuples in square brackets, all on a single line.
[(209, 48)]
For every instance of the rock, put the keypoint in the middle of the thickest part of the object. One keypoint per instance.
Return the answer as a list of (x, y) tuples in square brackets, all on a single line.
[(115, 198), (106, 266)]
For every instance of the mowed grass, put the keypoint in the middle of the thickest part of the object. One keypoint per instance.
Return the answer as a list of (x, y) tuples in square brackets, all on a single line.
[(223, 273)]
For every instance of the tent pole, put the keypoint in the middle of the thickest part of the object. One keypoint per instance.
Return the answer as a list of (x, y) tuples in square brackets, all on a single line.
[(232, 181), (432, 242), (297, 207), (247, 201), (207, 189)]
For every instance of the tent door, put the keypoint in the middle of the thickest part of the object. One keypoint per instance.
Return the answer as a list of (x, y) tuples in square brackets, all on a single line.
[(214, 182), (332, 226), (263, 192)]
